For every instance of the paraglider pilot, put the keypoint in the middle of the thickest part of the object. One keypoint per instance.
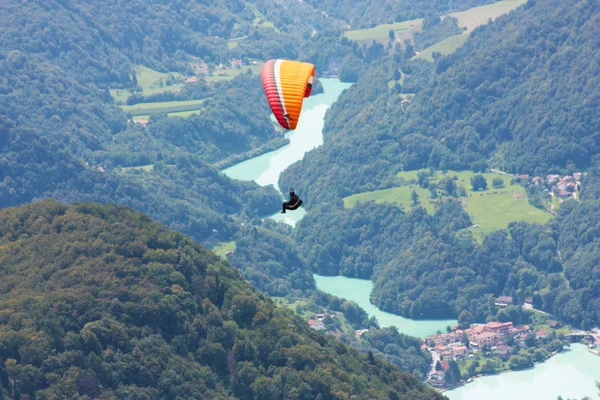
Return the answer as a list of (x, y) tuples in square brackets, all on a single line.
[(293, 204)]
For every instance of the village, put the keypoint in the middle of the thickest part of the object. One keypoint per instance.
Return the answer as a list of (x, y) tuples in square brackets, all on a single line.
[(460, 344), (562, 188)]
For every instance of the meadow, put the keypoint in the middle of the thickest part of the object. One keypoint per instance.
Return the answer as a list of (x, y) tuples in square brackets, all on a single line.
[(381, 32), (223, 248), (149, 80), (169, 107), (469, 20), (490, 210)]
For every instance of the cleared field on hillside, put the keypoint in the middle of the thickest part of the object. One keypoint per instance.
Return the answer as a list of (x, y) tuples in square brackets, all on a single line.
[(149, 80), (446, 46), (476, 16), (470, 19), (491, 209), (145, 168), (400, 195), (223, 248), (144, 109), (225, 74), (382, 31)]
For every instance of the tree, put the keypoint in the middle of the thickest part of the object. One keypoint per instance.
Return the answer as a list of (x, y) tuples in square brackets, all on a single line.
[(502, 316), (438, 366), (498, 183), (478, 182), (433, 190), (530, 339), (415, 197), (453, 373), (423, 179), (537, 301), (392, 35), (449, 186), (465, 319)]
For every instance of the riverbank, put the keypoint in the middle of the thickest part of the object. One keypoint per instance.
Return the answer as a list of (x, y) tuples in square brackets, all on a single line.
[(570, 373), (268, 147), (504, 371), (359, 291)]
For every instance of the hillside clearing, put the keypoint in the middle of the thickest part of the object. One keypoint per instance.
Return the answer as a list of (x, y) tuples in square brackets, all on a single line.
[(490, 210), (222, 249), (150, 82), (142, 109), (382, 31), (469, 20)]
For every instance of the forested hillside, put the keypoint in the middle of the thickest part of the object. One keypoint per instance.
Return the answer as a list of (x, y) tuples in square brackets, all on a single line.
[(62, 137), (428, 265), (518, 96), (513, 97), (100, 301)]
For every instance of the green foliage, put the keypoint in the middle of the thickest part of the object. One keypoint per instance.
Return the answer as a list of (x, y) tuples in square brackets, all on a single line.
[(435, 30), (478, 182), (268, 258), (100, 301), (366, 14)]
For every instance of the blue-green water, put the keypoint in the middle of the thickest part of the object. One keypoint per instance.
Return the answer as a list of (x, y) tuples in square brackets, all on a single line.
[(571, 374), (265, 169), (358, 290)]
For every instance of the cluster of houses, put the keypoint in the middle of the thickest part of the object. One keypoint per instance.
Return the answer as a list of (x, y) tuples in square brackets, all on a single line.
[(452, 346), (316, 322), (562, 187)]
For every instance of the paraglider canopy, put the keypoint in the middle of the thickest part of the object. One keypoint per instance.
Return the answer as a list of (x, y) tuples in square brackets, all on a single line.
[(286, 84)]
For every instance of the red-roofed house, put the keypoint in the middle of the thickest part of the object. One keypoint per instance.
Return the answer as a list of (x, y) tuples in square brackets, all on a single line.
[(191, 80), (316, 325), (538, 180), (498, 327), (502, 350), (236, 63), (460, 351), (445, 365), (489, 338), (541, 334)]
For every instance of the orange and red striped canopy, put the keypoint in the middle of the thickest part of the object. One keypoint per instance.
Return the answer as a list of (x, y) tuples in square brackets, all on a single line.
[(286, 84)]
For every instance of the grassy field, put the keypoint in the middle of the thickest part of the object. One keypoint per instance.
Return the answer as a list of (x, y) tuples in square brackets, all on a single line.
[(173, 114), (259, 18), (400, 195), (223, 248), (476, 16), (382, 31), (146, 168), (491, 209), (144, 109), (149, 81), (230, 73), (446, 46), (470, 19)]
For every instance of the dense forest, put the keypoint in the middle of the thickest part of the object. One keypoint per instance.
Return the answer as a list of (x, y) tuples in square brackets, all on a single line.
[(117, 306)]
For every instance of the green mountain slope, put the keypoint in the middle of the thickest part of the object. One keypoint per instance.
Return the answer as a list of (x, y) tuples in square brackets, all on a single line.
[(521, 94), (515, 97), (100, 301)]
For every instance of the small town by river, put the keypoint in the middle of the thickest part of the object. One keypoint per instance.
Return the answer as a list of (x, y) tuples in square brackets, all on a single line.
[(570, 374)]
